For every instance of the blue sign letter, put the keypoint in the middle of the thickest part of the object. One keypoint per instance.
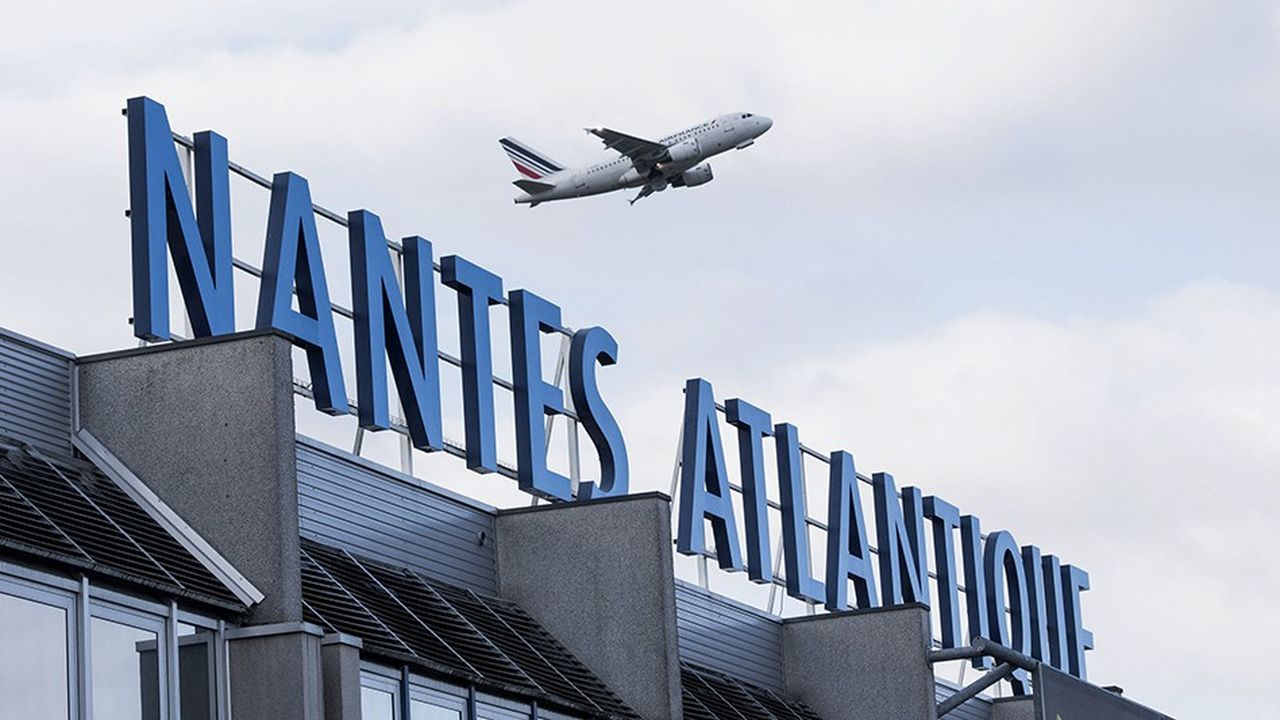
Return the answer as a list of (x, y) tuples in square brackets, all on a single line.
[(795, 519), (377, 305), (1075, 580), (848, 554), (975, 587), (477, 290), (753, 425), (946, 518), (704, 482), (1033, 568), (535, 398), (161, 214), (1056, 622), (901, 542), (1003, 569), (293, 255), (590, 346)]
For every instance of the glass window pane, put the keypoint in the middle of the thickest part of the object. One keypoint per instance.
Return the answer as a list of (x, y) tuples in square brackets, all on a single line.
[(196, 687), (33, 660), (126, 672), (376, 704), (427, 711)]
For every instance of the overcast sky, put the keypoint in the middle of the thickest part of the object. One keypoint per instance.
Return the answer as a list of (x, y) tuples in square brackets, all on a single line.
[(1022, 255)]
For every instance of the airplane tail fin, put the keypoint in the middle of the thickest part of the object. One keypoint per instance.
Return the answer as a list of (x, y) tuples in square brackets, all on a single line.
[(529, 162), (533, 187)]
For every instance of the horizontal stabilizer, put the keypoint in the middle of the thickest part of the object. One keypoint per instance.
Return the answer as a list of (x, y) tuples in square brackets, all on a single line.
[(533, 187)]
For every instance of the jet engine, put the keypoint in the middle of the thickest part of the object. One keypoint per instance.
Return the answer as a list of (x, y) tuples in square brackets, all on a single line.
[(683, 152), (700, 175)]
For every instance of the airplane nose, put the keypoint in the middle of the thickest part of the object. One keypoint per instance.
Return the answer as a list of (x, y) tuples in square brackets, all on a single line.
[(765, 124)]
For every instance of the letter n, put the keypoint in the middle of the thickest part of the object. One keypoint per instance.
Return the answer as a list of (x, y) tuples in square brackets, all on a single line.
[(162, 219)]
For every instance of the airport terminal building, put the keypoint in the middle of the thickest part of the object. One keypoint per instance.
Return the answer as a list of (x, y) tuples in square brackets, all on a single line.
[(175, 546)]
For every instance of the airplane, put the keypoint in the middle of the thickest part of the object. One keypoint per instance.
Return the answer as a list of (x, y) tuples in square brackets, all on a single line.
[(651, 165)]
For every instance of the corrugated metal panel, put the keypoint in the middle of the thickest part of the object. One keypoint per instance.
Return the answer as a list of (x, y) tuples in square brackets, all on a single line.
[(976, 709), (358, 506), (35, 393), (726, 636)]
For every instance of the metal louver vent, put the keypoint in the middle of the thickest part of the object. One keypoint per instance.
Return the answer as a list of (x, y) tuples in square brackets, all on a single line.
[(480, 640), (70, 513), (711, 695)]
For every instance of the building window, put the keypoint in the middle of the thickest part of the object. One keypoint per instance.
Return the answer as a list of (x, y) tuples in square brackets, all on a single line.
[(36, 652), (125, 667), (382, 690), (122, 649), (434, 703), (379, 695), (197, 672), (377, 704), (495, 708)]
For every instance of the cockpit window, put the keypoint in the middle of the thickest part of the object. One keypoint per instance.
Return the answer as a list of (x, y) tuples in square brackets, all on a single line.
[(746, 115)]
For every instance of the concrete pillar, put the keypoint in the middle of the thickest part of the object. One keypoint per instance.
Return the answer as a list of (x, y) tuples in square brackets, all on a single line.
[(598, 576), (275, 672), (208, 425), (340, 663), (1019, 708), (862, 664)]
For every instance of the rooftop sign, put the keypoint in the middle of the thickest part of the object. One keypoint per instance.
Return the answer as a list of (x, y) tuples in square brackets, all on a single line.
[(1014, 595), (393, 325)]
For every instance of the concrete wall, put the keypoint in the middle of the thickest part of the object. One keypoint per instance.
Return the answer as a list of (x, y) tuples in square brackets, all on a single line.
[(209, 427), (340, 662), (598, 576), (276, 672), (861, 665)]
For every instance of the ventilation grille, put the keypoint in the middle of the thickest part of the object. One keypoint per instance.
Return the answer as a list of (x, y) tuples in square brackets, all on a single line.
[(477, 640), (711, 695), (69, 512)]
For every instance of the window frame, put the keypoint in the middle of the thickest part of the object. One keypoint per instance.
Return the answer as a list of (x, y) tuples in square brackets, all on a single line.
[(440, 694), (25, 588), (384, 679), (84, 601)]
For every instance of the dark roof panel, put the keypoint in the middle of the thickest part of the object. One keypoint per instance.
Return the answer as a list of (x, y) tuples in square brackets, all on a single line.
[(69, 512), (446, 621), (711, 695), (22, 525), (483, 640)]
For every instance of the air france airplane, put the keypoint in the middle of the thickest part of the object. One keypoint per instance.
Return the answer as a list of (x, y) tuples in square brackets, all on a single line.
[(646, 164)]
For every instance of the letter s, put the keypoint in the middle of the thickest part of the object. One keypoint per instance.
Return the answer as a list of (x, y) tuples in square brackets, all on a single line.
[(590, 346)]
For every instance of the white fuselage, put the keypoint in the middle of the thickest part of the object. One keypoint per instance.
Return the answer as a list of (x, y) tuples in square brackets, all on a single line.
[(619, 172)]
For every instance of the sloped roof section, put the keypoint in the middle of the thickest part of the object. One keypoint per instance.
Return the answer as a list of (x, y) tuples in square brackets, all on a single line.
[(711, 695), (439, 628), (70, 513)]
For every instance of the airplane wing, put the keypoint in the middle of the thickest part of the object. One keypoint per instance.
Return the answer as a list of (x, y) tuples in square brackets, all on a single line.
[(638, 149)]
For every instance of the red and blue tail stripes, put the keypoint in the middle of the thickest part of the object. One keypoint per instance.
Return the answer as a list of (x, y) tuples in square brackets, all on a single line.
[(528, 161)]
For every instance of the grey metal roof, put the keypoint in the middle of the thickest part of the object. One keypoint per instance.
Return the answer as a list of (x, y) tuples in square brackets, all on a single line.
[(711, 695), (442, 629), (68, 512)]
